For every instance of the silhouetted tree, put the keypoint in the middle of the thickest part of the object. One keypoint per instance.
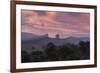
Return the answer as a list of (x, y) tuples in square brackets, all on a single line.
[(69, 52), (76, 52), (51, 52), (38, 56), (65, 52), (25, 57), (33, 48), (85, 48)]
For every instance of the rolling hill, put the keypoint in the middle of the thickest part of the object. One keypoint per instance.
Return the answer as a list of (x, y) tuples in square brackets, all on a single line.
[(29, 40)]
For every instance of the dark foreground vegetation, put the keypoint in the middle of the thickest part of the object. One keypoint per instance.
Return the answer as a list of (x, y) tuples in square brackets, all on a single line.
[(64, 52)]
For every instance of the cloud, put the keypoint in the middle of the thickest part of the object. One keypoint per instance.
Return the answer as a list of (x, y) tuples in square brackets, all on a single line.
[(51, 14), (64, 23)]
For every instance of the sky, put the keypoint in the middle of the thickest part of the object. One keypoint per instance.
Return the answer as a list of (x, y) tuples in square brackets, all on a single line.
[(55, 22)]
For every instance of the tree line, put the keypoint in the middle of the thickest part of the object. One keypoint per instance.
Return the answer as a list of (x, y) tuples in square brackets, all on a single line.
[(63, 52)]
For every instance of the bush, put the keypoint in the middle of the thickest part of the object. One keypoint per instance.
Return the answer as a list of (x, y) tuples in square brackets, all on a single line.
[(51, 52), (38, 56), (85, 48), (25, 57)]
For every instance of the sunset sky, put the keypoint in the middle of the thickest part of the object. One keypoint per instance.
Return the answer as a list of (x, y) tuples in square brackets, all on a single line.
[(50, 22)]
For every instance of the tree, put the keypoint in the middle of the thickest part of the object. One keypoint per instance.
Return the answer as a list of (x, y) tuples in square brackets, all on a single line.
[(33, 48), (38, 56), (65, 52), (51, 52), (69, 52), (25, 57), (85, 48)]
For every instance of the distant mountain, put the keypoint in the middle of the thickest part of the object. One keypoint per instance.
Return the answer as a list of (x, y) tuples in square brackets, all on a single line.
[(29, 40), (76, 40), (28, 36)]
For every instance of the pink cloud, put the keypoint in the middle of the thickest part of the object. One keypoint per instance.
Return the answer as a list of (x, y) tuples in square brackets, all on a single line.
[(67, 24)]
